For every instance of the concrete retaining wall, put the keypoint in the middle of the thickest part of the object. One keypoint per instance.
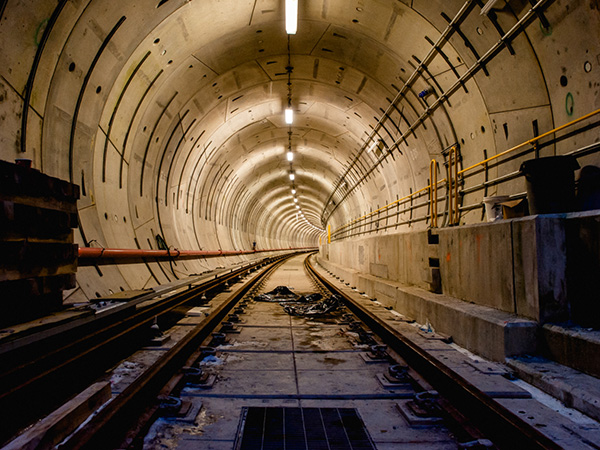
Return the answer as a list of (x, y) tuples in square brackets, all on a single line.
[(499, 280), (475, 264), (518, 266), (402, 257), (489, 332), (583, 271)]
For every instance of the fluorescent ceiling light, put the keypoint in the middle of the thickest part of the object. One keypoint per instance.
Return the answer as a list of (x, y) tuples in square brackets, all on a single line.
[(292, 176), (297, 207), (293, 191), (289, 116), (291, 16), (290, 156), (295, 200)]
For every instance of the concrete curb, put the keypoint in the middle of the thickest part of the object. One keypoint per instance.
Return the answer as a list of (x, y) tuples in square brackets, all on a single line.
[(489, 332), (575, 389)]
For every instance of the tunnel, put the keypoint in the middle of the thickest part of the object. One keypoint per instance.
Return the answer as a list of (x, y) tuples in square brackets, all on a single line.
[(181, 118), (375, 132)]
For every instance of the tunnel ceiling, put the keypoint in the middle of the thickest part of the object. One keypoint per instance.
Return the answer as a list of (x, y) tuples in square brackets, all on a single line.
[(170, 113), (228, 63), (187, 101)]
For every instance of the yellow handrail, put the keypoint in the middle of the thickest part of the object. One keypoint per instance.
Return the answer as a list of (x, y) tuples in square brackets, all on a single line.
[(460, 172), (433, 192), (453, 210), (406, 197), (531, 141)]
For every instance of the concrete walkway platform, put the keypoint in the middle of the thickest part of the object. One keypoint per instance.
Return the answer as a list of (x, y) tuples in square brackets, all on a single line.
[(572, 346), (489, 333), (573, 388)]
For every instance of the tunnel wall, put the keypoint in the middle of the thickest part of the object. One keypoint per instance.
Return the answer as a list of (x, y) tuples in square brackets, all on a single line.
[(77, 123), (549, 79)]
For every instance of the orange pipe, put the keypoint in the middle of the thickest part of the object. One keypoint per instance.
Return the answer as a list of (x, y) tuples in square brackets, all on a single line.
[(125, 253)]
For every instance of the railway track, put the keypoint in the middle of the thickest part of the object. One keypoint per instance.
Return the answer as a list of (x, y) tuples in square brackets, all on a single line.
[(352, 364), (461, 399), (46, 369)]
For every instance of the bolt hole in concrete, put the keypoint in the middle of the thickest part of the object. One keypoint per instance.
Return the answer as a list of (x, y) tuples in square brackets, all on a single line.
[(563, 81), (587, 67)]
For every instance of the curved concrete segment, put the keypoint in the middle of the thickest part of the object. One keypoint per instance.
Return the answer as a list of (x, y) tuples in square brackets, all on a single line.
[(169, 114)]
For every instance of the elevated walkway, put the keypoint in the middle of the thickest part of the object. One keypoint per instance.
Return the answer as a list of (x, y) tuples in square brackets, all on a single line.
[(494, 335), (512, 291)]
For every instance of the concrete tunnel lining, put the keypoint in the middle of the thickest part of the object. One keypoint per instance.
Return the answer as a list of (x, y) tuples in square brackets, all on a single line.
[(210, 59), (169, 115)]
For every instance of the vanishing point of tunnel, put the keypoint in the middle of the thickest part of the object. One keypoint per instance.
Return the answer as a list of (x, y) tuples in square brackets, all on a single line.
[(440, 157)]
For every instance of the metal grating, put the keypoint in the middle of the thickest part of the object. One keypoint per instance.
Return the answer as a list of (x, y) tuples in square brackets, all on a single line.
[(302, 429)]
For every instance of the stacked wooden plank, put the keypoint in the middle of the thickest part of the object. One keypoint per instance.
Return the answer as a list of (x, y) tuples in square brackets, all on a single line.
[(38, 259)]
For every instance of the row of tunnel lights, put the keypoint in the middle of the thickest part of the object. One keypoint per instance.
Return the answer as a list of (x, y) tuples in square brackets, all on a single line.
[(291, 26)]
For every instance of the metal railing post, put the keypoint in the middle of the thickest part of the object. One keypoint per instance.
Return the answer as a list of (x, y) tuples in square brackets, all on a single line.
[(433, 192)]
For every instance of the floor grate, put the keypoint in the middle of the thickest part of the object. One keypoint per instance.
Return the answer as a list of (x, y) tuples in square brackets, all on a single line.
[(302, 429)]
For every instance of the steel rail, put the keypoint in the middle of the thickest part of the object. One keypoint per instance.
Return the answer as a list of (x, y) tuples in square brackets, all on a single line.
[(501, 426), (61, 362), (138, 401)]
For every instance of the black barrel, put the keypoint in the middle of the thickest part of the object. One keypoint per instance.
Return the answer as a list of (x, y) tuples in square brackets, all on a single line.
[(550, 184)]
